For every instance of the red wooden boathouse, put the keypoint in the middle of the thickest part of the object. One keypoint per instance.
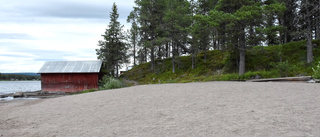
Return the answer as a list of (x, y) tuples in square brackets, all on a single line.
[(69, 76)]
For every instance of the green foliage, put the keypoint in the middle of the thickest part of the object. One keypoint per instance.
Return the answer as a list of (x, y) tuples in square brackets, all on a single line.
[(284, 68), (316, 71), (110, 83), (262, 62), (247, 76)]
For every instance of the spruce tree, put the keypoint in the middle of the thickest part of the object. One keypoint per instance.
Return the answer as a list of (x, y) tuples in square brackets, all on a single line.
[(113, 49)]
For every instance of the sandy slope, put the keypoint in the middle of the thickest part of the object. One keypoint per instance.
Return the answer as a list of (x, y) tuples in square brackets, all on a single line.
[(193, 109)]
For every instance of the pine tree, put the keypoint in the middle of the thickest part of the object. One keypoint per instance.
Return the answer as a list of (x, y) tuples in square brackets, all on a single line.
[(289, 20), (177, 20), (113, 50), (133, 34), (150, 20), (274, 12), (203, 30), (235, 17), (240, 22)]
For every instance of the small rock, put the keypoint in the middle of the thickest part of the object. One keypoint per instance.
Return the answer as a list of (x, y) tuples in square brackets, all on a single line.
[(17, 95), (314, 81), (314, 45), (3, 96)]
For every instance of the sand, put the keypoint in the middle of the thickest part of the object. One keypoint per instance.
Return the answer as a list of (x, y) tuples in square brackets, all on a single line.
[(179, 110)]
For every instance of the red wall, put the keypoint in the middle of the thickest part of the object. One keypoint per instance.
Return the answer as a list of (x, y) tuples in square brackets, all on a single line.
[(69, 82)]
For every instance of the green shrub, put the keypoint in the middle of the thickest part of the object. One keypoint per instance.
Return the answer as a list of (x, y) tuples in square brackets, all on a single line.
[(284, 68), (111, 83), (316, 71), (228, 77), (259, 74)]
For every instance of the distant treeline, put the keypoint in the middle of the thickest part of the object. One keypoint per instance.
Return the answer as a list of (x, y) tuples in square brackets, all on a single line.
[(19, 76)]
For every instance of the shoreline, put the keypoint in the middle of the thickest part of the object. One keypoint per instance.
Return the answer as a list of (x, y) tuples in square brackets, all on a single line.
[(30, 95)]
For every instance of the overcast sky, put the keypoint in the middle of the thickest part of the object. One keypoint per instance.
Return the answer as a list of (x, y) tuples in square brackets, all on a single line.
[(35, 31)]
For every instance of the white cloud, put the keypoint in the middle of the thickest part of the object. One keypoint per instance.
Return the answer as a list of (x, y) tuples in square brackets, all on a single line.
[(7, 54), (28, 66), (36, 31)]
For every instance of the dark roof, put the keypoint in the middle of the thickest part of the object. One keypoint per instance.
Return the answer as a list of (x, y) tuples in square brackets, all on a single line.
[(71, 67)]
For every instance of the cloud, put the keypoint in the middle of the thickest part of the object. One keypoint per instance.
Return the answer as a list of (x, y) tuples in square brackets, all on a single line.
[(67, 9), (30, 60), (36, 31), (16, 10), (15, 36), (28, 66), (5, 54), (18, 61)]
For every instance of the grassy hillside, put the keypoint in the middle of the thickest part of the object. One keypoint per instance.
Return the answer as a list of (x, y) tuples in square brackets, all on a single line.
[(264, 62)]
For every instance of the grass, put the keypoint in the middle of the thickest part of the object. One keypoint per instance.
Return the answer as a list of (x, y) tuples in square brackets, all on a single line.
[(88, 91)]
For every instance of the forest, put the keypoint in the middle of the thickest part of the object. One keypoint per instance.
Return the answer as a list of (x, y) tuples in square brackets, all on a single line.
[(19, 76), (164, 30)]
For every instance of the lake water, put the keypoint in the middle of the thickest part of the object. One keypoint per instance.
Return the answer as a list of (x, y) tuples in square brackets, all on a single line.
[(19, 86)]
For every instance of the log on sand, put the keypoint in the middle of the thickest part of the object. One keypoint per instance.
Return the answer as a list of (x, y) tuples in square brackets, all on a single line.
[(290, 79)]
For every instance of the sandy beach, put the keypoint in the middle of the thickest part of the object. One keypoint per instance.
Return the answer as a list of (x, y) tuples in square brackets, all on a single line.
[(224, 109)]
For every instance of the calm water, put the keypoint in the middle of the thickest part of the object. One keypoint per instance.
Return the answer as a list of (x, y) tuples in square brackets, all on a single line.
[(19, 86)]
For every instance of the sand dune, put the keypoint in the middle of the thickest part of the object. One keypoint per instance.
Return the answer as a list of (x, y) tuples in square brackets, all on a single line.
[(192, 109)]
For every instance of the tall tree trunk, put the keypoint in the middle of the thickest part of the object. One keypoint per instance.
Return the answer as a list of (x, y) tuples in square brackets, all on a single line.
[(134, 52), (285, 37), (159, 54), (177, 59), (173, 58), (193, 61), (309, 46), (281, 34), (145, 54), (242, 48), (167, 50), (222, 42), (309, 38), (205, 55), (216, 41), (219, 46), (152, 58), (117, 67), (163, 63), (193, 50), (317, 25)]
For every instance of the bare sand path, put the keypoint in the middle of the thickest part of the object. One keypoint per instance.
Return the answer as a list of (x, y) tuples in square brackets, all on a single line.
[(192, 109)]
